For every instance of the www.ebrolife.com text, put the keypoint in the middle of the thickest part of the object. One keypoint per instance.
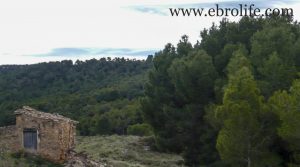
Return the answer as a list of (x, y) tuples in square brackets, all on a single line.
[(240, 10)]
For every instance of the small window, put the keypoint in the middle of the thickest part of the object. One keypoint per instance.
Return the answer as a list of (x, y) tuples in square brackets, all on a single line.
[(30, 139)]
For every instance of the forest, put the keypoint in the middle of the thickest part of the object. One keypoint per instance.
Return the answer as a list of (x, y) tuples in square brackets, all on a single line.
[(103, 95), (230, 100)]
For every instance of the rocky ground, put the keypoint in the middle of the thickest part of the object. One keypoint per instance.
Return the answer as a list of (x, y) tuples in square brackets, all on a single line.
[(126, 151), (82, 160)]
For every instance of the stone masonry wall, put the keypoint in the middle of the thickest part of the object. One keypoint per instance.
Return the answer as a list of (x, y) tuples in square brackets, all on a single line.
[(55, 137), (8, 139)]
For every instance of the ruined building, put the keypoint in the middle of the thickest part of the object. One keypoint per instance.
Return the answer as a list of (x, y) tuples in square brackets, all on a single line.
[(51, 136)]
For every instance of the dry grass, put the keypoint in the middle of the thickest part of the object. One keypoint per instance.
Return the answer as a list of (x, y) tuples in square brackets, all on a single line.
[(125, 151)]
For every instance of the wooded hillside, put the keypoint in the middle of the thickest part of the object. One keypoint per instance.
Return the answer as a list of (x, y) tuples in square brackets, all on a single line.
[(101, 94)]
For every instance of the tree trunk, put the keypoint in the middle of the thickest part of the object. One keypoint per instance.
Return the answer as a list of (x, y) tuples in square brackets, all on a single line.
[(249, 158)]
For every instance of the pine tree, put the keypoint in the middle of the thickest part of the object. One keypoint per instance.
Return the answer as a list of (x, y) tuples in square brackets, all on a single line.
[(243, 139), (286, 106)]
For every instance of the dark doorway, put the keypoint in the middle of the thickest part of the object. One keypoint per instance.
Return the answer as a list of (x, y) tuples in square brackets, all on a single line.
[(30, 139)]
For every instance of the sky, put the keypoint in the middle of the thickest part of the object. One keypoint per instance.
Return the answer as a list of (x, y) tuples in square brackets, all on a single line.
[(33, 31)]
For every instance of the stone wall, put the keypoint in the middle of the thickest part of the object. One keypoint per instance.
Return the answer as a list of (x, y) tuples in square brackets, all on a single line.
[(55, 137), (8, 139), (55, 134)]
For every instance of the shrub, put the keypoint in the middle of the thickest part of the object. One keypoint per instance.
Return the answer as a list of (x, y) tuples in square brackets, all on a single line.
[(140, 130)]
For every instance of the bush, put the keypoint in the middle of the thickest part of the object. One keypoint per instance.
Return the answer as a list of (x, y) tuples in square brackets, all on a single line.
[(140, 130)]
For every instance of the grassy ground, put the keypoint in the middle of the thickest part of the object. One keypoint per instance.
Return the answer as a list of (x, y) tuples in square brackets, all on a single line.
[(116, 151), (125, 151), (23, 160)]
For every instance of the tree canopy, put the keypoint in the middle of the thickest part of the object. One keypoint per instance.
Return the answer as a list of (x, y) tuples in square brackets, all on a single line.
[(227, 101)]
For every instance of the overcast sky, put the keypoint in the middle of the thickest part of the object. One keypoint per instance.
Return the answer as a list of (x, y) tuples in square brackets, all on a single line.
[(34, 31)]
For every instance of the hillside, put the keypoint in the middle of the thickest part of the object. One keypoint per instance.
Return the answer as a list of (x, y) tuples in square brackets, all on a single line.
[(93, 92), (116, 151), (126, 151)]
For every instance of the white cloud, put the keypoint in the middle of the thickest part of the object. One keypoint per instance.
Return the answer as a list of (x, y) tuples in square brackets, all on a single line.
[(37, 26)]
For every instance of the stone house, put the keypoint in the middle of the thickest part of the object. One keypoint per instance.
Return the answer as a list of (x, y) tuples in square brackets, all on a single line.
[(50, 136)]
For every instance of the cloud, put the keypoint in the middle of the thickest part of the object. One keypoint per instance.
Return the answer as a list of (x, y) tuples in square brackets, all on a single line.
[(163, 10), (76, 28), (81, 52), (126, 51), (65, 52), (159, 10)]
